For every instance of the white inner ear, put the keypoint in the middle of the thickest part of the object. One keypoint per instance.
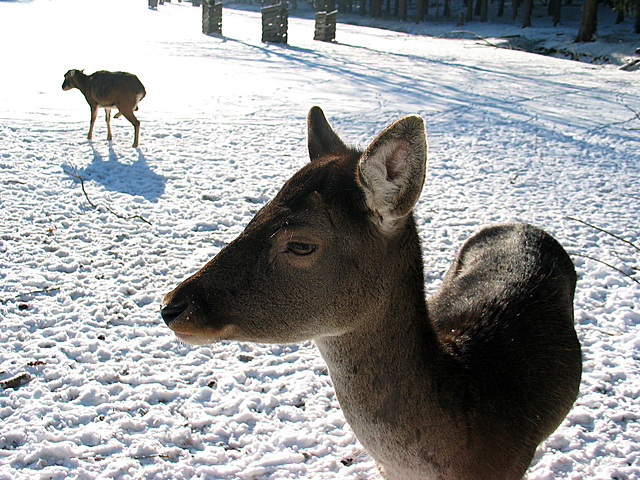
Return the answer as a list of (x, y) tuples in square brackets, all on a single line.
[(397, 167), (384, 173)]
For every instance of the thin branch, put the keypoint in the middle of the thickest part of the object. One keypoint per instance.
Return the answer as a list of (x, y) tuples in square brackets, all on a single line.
[(607, 264), (100, 458), (33, 292), (633, 111), (479, 37), (604, 231), (76, 176), (153, 455), (44, 290), (602, 330), (619, 256), (93, 205)]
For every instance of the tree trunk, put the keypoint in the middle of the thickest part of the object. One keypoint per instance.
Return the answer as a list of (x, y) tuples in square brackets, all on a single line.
[(555, 7), (588, 21), (403, 10), (557, 11), (526, 13), (620, 16), (516, 4), (484, 10), (637, 26), (419, 10), (376, 8), (469, 10), (363, 7), (447, 9), (422, 7), (500, 8)]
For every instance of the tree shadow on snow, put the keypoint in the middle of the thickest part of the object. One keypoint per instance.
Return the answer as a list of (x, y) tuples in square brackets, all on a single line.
[(136, 179)]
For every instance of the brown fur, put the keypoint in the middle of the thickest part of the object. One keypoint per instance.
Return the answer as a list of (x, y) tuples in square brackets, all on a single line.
[(108, 90), (463, 386)]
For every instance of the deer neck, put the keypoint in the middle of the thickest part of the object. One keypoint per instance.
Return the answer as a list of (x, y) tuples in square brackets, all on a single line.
[(80, 81), (386, 372), (393, 332)]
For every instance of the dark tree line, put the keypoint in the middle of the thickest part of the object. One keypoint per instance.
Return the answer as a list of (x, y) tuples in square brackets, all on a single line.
[(419, 10), (589, 18)]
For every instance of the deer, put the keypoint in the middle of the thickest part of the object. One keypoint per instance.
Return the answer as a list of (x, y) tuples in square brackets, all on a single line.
[(463, 385), (108, 90)]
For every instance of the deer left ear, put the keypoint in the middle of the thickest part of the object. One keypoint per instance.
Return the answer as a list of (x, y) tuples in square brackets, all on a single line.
[(322, 139), (392, 171)]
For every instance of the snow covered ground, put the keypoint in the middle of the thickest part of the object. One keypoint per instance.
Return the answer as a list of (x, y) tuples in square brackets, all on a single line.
[(103, 391)]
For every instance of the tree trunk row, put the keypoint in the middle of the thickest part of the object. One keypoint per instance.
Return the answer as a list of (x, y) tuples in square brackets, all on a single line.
[(586, 32)]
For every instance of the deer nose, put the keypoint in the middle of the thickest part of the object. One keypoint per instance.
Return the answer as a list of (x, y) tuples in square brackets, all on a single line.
[(172, 309)]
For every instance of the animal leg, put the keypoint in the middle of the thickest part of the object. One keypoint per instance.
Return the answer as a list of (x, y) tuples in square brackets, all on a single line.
[(94, 114), (107, 114), (136, 125)]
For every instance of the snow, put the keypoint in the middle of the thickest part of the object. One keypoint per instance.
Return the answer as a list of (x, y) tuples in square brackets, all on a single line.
[(111, 394)]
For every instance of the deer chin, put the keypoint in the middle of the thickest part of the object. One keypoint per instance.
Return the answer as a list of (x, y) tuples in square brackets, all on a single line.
[(205, 337)]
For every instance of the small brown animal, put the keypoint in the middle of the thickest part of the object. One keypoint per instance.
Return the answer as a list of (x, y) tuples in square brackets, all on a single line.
[(108, 90), (462, 386)]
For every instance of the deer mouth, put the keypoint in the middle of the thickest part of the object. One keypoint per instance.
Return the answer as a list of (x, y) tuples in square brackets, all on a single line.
[(205, 336)]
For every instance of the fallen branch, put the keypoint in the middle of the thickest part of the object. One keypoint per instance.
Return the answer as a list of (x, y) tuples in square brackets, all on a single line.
[(43, 290), (33, 292), (93, 205), (100, 458), (607, 264), (479, 37), (632, 110), (631, 66), (605, 231), (16, 382)]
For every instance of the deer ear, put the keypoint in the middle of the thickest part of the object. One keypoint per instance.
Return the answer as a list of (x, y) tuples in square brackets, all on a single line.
[(392, 171), (322, 140)]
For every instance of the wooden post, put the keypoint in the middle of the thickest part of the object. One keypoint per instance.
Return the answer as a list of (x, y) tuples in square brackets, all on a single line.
[(275, 22), (325, 30), (211, 17)]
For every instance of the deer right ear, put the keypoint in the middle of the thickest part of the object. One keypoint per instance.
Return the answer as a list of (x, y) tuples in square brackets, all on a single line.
[(392, 171), (322, 140)]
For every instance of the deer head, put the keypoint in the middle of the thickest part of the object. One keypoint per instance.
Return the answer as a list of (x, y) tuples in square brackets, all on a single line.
[(314, 261)]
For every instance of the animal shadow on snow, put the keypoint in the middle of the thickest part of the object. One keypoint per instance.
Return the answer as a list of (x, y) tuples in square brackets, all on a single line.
[(136, 179)]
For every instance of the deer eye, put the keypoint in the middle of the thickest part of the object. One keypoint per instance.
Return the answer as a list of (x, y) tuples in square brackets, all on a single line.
[(300, 248)]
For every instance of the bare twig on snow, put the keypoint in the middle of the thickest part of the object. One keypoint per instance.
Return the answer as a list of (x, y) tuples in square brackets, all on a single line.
[(607, 264), (75, 174), (605, 231)]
